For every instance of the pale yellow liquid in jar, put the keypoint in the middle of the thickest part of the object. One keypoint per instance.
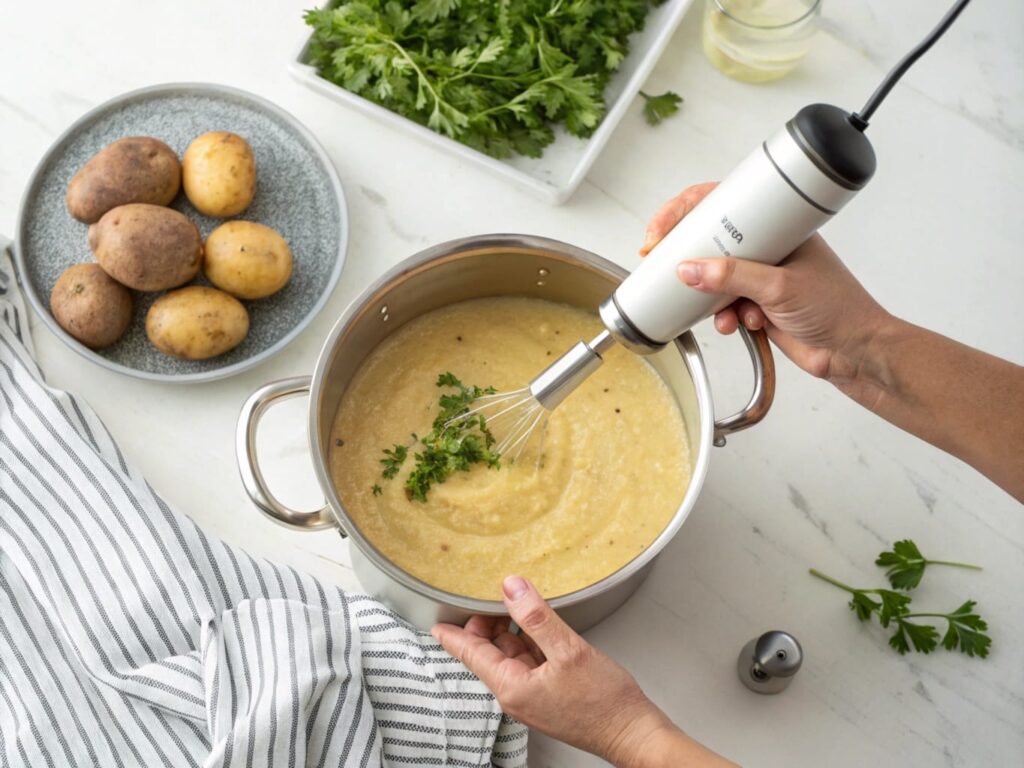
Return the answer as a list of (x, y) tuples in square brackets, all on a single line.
[(764, 48), (612, 471)]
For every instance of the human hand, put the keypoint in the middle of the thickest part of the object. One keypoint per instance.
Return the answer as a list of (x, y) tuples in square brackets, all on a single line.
[(810, 305), (553, 680)]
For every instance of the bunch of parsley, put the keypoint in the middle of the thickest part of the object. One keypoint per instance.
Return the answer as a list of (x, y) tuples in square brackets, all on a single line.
[(494, 74)]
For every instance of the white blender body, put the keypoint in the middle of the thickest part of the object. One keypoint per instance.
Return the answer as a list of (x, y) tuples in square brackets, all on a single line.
[(771, 202)]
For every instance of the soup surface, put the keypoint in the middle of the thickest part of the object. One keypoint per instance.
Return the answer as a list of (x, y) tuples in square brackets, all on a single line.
[(576, 506)]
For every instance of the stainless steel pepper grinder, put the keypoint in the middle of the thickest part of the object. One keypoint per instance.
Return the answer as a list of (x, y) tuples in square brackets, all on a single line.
[(768, 663)]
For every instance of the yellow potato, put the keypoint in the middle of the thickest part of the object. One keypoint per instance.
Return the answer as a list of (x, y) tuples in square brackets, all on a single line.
[(246, 259), (219, 174), (196, 323), (136, 169)]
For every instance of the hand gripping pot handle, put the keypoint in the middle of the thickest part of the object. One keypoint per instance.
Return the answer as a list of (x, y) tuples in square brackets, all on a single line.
[(248, 465)]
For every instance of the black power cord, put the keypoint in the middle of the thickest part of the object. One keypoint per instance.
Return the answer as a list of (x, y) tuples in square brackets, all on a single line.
[(860, 119)]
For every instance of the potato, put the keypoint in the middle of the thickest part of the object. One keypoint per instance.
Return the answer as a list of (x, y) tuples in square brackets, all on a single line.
[(147, 247), (137, 169), (246, 259), (91, 306), (219, 173), (196, 322)]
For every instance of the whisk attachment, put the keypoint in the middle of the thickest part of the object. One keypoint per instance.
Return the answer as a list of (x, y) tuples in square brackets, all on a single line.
[(562, 377), (513, 416), (517, 414)]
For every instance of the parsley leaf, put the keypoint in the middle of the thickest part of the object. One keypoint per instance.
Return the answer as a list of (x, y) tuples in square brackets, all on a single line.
[(924, 637), (497, 76), (453, 445), (906, 564), (863, 606), (967, 629), (657, 108), (894, 605), (377, 490), (393, 460)]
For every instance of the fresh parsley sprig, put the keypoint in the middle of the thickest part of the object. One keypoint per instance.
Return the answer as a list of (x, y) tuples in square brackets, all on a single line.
[(906, 564), (657, 108), (451, 446), (498, 76), (965, 629)]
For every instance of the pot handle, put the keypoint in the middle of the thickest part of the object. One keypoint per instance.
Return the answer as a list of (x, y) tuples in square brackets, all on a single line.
[(248, 465), (764, 387)]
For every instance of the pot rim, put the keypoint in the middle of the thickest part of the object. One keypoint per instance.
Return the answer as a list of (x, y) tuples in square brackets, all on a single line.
[(419, 262)]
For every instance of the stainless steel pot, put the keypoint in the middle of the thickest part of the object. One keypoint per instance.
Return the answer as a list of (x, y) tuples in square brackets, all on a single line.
[(490, 265)]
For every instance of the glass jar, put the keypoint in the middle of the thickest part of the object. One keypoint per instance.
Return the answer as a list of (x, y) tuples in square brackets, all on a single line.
[(758, 40)]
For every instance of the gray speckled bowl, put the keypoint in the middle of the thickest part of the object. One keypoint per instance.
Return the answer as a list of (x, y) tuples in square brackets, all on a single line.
[(298, 193)]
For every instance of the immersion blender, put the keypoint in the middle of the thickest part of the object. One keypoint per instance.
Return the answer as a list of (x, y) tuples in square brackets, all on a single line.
[(782, 193)]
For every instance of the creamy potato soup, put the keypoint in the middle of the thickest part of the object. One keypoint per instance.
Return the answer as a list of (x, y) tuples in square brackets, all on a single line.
[(576, 506)]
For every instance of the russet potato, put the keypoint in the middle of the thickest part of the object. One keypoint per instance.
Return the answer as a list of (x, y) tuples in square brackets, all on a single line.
[(196, 323), (136, 169), (219, 174), (147, 247), (91, 306), (246, 259)]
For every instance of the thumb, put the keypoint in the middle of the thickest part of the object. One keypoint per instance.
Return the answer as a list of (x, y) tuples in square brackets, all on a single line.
[(762, 283), (553, 636)]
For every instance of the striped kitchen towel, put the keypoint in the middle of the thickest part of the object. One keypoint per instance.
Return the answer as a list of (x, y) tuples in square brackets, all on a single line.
[(130, 638)]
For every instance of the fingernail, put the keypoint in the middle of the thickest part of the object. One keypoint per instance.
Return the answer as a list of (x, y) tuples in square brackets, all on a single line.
[(649, 239), (751, 320), (514, 587), (434, 633), (689, 272)]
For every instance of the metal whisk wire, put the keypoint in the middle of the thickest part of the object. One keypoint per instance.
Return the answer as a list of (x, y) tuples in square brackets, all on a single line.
[(527, 408), (515, 415)]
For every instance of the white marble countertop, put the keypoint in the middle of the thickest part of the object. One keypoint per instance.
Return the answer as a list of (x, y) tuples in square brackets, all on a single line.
[(819, 483)]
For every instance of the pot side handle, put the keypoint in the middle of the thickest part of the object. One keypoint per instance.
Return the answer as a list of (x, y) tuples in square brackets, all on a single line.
[(764, 387), (248, 465)]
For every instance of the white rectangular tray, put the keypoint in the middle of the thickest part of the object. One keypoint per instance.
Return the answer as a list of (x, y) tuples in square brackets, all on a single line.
[(558, 172)]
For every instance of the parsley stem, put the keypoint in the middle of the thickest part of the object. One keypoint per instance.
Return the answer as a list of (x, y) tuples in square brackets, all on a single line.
[(423, 78), (834, 582), (924, 615), (954, 564), (485, 76)]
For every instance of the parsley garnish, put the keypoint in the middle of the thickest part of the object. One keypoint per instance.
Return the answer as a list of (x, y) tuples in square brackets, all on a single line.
[(449, 447), (965, 629), (377, 490), (657, 108), (498, 76), (906, 564), (392, 461)]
